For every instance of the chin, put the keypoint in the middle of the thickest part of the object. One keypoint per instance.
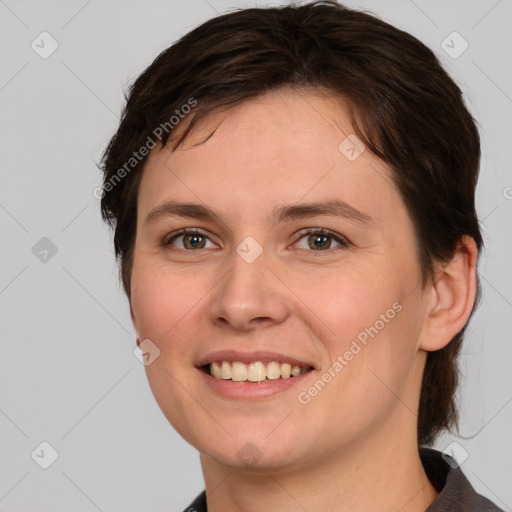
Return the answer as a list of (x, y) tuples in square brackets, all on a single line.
[(256, 457), (253, 447)]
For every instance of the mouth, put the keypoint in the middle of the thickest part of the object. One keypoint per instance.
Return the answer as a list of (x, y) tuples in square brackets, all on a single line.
[(254, 372)]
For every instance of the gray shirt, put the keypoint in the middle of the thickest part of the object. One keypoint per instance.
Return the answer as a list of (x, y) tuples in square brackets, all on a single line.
[(456, 494)]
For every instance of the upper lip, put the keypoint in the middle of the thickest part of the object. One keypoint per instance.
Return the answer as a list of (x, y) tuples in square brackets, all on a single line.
[(251, 357)]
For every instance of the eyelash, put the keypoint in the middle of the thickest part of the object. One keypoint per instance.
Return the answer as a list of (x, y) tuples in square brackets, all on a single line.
[(342, 241)]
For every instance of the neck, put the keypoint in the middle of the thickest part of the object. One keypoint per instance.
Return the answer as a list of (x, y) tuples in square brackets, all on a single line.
[(384, 473)]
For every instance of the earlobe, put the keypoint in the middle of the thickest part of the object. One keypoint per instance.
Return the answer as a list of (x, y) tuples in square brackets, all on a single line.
[(454, 294)]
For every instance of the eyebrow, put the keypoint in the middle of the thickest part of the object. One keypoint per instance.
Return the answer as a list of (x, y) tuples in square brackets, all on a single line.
[(287, 212)]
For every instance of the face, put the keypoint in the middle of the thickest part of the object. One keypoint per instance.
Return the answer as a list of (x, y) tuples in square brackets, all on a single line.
[(298, 255)]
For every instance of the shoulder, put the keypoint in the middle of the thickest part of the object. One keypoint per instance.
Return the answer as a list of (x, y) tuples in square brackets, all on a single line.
[(456, 494), (198, 505)]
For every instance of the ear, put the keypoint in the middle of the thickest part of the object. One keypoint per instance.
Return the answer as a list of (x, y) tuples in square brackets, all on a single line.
[(452, 296)]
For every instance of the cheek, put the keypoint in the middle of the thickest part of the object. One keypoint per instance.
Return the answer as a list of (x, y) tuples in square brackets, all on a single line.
[(164, 306), (346, 300), (366, 325), (368, 376), (162, 300)]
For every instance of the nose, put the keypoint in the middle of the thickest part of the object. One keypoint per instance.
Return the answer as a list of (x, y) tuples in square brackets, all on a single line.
[(250, 296)]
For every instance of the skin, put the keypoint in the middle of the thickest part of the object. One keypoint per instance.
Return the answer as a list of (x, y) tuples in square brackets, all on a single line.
[(353, 446)]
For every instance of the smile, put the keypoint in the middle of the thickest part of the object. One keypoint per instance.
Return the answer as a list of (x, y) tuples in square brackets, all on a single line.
[(257, 371)]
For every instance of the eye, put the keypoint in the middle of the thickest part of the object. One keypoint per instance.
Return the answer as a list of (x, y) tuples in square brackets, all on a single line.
[(316, 239), (188, 239), (321, 240)]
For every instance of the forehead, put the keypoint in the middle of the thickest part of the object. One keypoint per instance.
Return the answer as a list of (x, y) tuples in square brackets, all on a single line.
[(292, 145)]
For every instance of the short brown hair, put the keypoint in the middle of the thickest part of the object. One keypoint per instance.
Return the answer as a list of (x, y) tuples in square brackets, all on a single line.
[(403, 106)]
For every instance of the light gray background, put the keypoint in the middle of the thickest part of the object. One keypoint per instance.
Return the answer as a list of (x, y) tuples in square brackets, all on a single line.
[(68, 375)]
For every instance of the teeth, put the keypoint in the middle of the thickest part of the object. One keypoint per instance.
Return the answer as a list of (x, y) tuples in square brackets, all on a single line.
[(255, 372), (239, 371), (286, 370), (216, 370), (225, 370), (273, 370)]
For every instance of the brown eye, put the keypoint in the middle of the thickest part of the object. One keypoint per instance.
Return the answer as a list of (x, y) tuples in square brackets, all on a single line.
[(194, 241), (188, 240), (317, 242), (321, 240)]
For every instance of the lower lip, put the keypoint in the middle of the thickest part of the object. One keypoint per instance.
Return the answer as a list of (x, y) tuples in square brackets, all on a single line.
[(248, 390)]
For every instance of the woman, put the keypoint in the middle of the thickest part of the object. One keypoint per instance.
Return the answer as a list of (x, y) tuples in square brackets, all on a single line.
[(292, 191)]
